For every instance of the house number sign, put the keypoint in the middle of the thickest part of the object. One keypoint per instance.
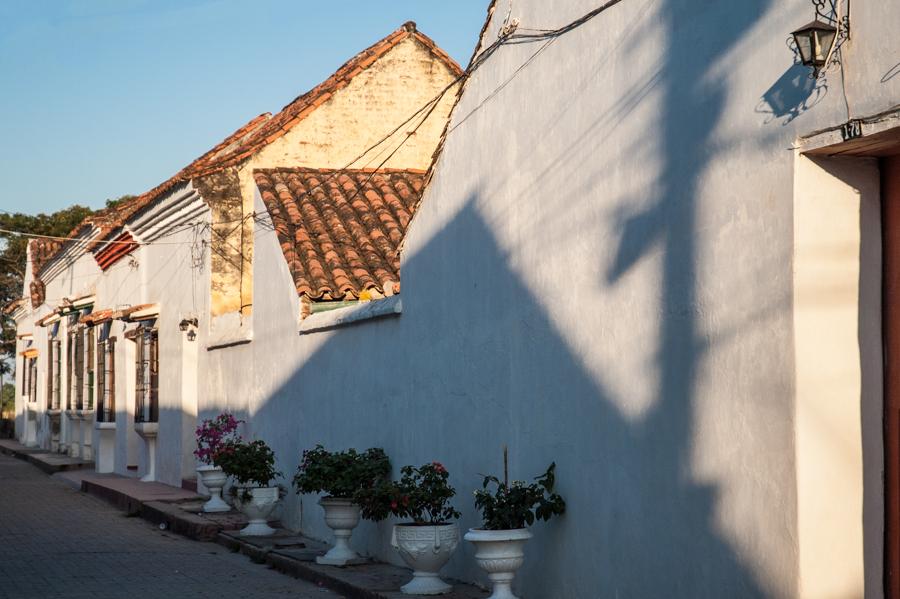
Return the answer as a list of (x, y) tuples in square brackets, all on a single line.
[(851, 129)]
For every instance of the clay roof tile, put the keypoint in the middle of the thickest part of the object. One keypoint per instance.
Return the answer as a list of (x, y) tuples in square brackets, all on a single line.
[(339, 231)]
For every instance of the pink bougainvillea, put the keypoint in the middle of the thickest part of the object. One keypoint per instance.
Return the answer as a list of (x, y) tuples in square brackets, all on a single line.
[(214, 435)]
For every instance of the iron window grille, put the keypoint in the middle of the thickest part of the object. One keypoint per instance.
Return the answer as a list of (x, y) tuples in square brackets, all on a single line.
[(147, 375), (89, 347), (29, 388), (54, 372), (106, 380)]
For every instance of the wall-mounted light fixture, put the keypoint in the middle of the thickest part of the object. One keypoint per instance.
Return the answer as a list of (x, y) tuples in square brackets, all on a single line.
[(819, 41), (814, 41), (186, 323), (192, 334)]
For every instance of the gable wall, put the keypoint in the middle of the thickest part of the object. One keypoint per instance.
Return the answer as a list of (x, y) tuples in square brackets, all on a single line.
[(376, 101)]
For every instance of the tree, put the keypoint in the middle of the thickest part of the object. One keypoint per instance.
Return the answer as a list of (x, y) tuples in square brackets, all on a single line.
[(8, 398), (13, 252)]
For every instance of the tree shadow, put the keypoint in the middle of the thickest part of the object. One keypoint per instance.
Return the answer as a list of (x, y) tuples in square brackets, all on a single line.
[(477, 361)]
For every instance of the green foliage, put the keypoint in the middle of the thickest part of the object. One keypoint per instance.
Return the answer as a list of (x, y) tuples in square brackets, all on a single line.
[(341, 474), (422, 494), (250, 464), (13, 250), (8, 397), (517, 505), (114, 203)]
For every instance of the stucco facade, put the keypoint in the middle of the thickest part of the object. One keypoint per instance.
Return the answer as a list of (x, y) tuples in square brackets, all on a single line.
[(337, 134), (622, 265), (628, 261)]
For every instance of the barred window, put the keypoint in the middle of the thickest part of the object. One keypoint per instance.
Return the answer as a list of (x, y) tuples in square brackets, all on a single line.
[(79, 371), (106, 380), (147, 375), (89, 366)]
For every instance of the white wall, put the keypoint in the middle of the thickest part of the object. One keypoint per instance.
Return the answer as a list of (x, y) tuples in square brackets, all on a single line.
[(600, 275)]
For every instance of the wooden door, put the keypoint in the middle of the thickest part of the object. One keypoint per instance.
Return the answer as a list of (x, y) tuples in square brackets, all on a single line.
[(890, 223)]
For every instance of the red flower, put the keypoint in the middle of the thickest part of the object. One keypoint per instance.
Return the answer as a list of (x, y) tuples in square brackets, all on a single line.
[(393, 505)]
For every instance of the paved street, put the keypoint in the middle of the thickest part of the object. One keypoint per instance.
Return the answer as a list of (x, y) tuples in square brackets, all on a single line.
[(58, 542)]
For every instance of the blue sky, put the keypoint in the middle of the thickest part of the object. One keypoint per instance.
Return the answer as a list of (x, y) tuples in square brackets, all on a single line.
[(100, 98)]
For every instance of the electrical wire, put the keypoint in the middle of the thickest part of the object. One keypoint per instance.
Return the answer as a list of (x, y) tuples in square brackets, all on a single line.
[(515, 36)]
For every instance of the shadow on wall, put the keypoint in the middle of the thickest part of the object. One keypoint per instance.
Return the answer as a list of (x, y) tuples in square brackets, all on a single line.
[(475, 362), (791, 95)]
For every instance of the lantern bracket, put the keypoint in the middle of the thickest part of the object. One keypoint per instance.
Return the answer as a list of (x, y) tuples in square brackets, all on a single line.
[(827, 12)]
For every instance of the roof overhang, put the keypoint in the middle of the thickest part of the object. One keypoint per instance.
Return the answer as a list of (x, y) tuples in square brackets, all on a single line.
[(138, 313), (874, 136)]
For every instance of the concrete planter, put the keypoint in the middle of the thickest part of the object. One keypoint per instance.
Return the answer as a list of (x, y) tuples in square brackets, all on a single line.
[(341, 516), (425, 549), (213, 479), (257, 507), (500, 553)]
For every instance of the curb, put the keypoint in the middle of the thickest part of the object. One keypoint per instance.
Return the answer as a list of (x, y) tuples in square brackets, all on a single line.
[(374, 580)]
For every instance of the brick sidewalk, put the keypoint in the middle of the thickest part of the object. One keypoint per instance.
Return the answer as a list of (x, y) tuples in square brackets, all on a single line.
[(57, 542)]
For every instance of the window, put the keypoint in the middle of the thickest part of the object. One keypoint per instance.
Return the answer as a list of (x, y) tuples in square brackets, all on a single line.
[(29, 380), (147, 375), (106, 377), (89, 366), (32, 392), (75, 370), (54, 369)]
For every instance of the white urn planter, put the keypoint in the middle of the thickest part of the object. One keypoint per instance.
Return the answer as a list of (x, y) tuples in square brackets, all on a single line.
[(500, 553), (341, 516), (257, 503), (213, 479), (425, 549)]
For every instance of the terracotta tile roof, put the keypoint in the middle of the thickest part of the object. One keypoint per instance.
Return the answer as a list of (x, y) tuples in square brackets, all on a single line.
[(266, 128), (258, 133), (42, 250), (109, 253), (126, 313), (201, 165), (305, 104), (340, 230), (37, 291), (13, 305), (97, 317)]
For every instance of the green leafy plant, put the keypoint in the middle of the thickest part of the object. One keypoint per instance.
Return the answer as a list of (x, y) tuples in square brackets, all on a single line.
[(517, 505), (341, 474), (422, 494), (251, 464)]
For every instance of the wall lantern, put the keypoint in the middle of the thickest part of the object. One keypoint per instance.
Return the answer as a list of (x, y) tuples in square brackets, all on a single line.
[(814, 42), (186, 323)]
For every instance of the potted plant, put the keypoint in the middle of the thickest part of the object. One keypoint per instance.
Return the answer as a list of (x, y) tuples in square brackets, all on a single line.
[(340, 476), (426, 543), (252, 465), (212, 436), (507, 512)]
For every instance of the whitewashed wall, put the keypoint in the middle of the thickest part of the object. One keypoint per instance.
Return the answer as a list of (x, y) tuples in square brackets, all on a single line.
[(600, 275)]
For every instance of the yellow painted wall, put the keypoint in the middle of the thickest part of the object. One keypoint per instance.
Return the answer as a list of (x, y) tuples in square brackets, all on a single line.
[(374, 103)]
